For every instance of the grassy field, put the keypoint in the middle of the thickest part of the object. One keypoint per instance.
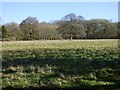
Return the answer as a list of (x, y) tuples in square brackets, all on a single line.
[(61, 64)]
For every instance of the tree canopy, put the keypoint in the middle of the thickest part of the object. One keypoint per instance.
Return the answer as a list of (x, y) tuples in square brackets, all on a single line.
[(70, 26)]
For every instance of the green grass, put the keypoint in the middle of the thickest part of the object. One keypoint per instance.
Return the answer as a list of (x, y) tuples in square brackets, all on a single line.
[(61, 63), (62, 44)]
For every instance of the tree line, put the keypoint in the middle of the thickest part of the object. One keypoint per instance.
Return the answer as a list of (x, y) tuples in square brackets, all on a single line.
[(70, 26)]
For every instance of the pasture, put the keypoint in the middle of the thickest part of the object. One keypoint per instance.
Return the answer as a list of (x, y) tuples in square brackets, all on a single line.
[(61, 64)]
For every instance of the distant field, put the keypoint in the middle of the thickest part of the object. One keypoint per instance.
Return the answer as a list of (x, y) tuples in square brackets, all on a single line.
[(61, 63), (18, 45)]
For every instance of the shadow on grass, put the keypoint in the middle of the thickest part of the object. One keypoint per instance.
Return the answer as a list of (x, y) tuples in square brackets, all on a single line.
[(79, 64), (99, 87), (72, 66)]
